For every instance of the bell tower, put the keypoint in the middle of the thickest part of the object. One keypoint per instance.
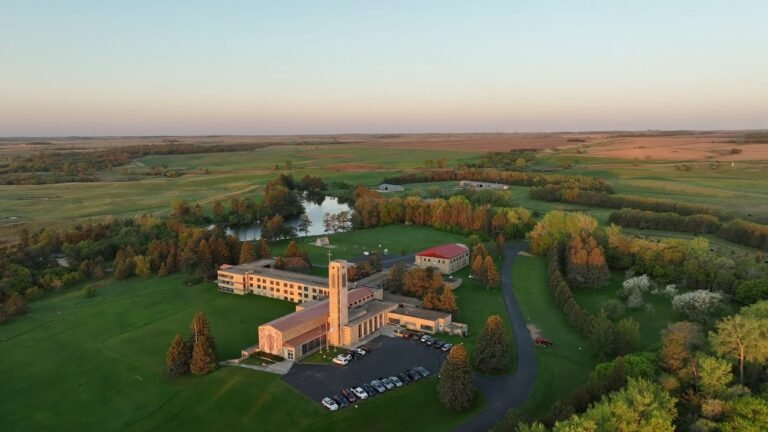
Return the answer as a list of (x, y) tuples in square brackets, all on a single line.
[(338, 308)]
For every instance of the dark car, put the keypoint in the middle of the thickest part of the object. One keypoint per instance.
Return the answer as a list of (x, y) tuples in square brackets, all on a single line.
[(349, 395), (438, 344), (415, 376), (404, 378), (422, 371), (369, 389), (341, 401)]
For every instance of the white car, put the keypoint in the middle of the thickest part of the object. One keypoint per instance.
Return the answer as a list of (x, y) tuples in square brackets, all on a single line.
[(360, 351), (360, 393), (330, 404), (341, 360), (387, 383), (396, 381)]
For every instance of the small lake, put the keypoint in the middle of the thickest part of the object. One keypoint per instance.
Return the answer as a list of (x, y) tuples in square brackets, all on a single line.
[(314, 211)]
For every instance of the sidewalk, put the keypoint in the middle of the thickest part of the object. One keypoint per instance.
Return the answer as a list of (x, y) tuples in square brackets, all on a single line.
[(279, 368)]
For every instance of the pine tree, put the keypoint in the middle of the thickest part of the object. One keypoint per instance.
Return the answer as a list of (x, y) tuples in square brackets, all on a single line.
[(292, 250), (478, 272), (178, 357), (203, 346), (218, 211), (447, 300), (264, 251), (456, 390), (492, 351), (601, 335), (491, 274), (396, 277), (246, 253), (500, 242)]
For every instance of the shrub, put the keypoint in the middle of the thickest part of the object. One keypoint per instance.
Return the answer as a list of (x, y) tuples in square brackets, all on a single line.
[(34, 293), (699, 305), (613, 308), (89, 292), (751, 291)]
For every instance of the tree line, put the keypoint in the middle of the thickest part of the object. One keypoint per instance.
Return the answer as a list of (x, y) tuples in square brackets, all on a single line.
[(505, 177), (737, 231), (455, 214), (82, 166)]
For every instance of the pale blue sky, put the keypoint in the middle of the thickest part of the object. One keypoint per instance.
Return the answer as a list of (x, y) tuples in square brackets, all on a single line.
[(246, 67)]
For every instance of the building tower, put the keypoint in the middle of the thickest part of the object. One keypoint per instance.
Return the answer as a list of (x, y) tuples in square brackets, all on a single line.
[(338, 311)]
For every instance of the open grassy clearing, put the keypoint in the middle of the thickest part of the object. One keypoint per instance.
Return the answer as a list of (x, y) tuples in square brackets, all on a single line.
[(567, 364), (398, 239), (652, 321), (99, 364)]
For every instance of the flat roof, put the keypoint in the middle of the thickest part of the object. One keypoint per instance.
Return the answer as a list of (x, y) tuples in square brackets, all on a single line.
[(260, 268), (421, 313), (367, 311)]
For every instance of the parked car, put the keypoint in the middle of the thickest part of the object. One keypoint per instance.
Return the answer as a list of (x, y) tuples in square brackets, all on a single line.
[(438, 344), (404, 378), (360, 393), (387, 383), (415, 376), (430, 342), (330, 404), (378, 386), (425, 338), (360, 351), (341, 401), (349, 395), (341, 360), (447, 347), (369, 390), (422, 371), (396, 381)]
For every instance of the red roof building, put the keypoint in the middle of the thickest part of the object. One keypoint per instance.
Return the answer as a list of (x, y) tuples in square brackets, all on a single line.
[(448, 258)]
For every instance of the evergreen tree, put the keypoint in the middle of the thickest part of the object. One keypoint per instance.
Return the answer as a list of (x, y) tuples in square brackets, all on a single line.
[(264, 251), (626, 334), (447, 300), (246, 252), (492, 351), (218, 211), (456, 390), (500, 242), (203, 346), (491, 274), (478, 270), (601, 335), (178, 357)]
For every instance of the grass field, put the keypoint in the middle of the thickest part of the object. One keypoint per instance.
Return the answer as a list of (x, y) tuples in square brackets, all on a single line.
[(398, 239), (563, 366), (98, 364), (652, 322)]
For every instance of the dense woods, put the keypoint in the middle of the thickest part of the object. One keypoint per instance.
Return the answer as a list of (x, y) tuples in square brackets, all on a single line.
[(455, 214), (666, 221)]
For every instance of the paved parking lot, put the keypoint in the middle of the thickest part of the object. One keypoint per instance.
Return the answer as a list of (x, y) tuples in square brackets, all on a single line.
[(389, 357)]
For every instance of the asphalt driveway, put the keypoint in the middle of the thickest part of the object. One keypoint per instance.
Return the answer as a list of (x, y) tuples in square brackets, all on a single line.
[(390, 356)]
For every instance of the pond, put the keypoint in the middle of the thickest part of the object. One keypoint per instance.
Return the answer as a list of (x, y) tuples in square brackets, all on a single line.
[(312, 209)]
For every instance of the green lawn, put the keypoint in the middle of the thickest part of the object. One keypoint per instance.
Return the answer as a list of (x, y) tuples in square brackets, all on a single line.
[(568, 363), (399, 239), (476, 304), (652, 322), (98, 364)]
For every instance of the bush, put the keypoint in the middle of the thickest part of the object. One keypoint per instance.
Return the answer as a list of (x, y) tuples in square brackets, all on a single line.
[(699, 305), (89, 292), (613, 308), (751, 291), (34, 293)]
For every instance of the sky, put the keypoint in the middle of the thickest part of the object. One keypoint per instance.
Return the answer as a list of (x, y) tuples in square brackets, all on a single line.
[(189, 67)]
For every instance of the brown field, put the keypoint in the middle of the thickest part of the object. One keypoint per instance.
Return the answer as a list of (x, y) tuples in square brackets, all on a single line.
[(652, 145), (705, 146)]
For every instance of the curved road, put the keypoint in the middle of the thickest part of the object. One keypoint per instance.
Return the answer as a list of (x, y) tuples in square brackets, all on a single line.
[(503, 393)]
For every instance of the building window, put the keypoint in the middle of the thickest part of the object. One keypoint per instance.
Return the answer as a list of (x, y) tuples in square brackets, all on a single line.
[(394, 321), (426, 327), (290, 354)]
